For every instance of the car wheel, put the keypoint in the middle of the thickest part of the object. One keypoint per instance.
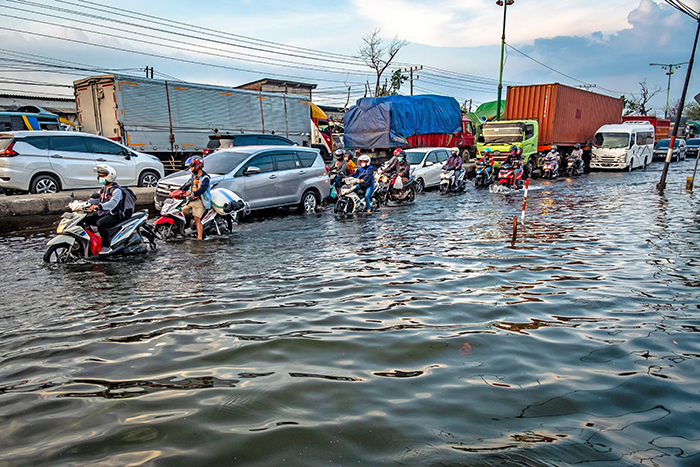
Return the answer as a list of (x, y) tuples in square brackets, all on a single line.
[(44, 183), (149, 179), (420, 185), (309, 202)]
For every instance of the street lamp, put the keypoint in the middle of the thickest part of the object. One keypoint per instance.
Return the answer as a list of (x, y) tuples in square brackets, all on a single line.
[(504, 4), (670, 67)]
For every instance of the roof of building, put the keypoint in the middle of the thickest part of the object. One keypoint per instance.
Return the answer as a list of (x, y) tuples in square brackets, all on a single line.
[(278, 82)]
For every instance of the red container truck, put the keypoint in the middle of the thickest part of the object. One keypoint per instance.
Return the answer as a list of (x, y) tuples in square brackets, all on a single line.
[(661, 125)]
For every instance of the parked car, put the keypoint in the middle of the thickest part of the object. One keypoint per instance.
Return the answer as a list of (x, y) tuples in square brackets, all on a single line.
[(50, 161), (220, 141), (426, 165), (692, 147), (263, 176), (679, 149)]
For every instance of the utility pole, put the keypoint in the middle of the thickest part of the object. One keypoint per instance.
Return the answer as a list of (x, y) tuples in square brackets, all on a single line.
[(504, 4), (662, 183), (410, 72), (670, 67), (151, 70)]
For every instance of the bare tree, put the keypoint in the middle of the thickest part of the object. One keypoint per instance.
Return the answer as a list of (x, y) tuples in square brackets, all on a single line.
[(378, 56), (645, 95)]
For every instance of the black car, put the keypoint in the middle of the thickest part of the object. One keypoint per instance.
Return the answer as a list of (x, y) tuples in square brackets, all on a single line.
[(225, 140), (692, 146)]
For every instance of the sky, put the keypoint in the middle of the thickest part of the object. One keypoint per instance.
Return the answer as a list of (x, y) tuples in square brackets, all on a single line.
[(604, 45)]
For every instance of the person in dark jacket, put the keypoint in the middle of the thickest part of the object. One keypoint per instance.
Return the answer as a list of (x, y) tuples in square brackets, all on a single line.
[(400, 167), (343, 166), (107, 208), (199, 188), (366, 175)]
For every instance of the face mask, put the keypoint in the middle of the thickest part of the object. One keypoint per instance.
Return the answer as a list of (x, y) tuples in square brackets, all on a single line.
[(103, 181), (363, 165), (400, 158)]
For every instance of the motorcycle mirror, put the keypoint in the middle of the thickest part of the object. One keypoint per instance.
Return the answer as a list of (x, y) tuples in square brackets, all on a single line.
[(95, 195)]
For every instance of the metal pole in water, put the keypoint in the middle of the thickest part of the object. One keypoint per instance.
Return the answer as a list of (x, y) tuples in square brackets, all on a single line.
[(522, 216), (515, 231)]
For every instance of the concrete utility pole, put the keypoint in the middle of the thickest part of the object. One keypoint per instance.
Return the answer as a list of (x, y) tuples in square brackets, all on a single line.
[(410, 72), (693, 14), (670, 67)]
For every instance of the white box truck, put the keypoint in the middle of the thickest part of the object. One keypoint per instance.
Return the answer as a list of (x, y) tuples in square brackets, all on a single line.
[(173, 119)]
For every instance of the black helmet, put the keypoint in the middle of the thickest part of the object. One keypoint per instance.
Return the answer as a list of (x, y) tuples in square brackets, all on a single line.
[(514, 148), (339, 153)]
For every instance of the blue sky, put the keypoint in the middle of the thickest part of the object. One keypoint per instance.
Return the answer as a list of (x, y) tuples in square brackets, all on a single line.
[(607, 43)]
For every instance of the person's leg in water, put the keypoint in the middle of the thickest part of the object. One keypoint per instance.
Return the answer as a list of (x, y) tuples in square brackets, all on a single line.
[(368, 199), (105, 223)]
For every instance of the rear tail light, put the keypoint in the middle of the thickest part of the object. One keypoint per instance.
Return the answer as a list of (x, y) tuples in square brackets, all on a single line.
[(9, 152), (328, 170), (206, 151)]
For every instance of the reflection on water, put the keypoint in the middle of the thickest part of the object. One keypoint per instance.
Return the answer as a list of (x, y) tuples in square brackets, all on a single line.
[(413, 336)]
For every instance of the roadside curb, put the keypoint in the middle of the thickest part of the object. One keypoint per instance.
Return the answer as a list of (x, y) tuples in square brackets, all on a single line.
[(56, 203)]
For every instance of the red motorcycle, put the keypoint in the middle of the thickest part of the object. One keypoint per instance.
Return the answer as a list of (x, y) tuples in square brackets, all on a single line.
[(509, 176)]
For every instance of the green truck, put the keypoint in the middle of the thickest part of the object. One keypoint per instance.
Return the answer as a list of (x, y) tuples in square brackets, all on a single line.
[(501, 135)]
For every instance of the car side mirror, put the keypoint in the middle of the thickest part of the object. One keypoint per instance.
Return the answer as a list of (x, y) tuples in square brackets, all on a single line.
[(428, 164), (252, 170)]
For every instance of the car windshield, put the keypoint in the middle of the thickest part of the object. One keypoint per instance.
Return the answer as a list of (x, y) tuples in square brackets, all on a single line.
[(223, 162), (415, 157), (663, 144), (502, 133), (612, 140)]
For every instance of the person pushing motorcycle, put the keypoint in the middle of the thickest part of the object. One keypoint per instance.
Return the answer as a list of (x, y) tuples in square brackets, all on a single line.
[(199, 187), (365, 172), (107, 215)]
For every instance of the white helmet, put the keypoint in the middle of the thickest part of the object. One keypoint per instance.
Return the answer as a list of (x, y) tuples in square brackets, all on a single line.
[(363, 158), (455, 151), (106, 170)]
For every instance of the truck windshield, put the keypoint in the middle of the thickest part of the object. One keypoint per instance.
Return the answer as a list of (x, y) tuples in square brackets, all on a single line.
[(414, 157), (612, 140), (502, 133), (224, 162)]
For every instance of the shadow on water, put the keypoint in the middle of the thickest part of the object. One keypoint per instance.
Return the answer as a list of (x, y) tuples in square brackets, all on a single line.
[(416, 335)]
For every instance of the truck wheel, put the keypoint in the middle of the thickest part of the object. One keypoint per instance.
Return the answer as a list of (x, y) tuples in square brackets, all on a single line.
[(466, 155)]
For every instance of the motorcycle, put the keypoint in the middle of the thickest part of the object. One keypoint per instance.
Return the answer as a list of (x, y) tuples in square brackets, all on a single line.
[(349, 202), (449, 182), (385, 192), (217, 220), (75, 241), (574, 166), (507, 177), (550, 167), (484, 174)]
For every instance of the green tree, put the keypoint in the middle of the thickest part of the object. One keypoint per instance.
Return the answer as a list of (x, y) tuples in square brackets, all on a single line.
[(397, 79), (630, 106), (692, 110)]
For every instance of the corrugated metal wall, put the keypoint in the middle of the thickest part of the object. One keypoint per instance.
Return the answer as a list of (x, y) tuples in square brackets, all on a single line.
[(566, 115)]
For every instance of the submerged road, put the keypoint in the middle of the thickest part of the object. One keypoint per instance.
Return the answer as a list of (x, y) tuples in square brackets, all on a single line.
[(416, 335)]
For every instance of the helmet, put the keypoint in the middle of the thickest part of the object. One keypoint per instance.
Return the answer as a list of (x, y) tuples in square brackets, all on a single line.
[(554, 147), (194, 162), (349, 153), (520, 150), (106, 171), (455, 151), (514, 148), (487, 150), (401, 153), (577, 146), (397, 151), (363, 158), (339, 153)]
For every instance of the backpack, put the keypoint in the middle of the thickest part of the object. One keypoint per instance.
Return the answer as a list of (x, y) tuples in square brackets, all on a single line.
[(127, 204)]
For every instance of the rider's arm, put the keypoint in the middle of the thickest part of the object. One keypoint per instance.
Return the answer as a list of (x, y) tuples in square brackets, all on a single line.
[(113, 201)]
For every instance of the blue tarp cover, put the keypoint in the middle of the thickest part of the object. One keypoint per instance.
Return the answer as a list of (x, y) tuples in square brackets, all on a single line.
[(384, 122)]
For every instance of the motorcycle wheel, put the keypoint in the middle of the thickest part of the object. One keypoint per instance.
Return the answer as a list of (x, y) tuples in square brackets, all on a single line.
[(410, 194), (375, 203), (344, 206), (149, 235), (165, 231), (61, 253), (443, 188)]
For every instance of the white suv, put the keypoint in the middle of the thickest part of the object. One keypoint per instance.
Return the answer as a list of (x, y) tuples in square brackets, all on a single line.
[(50, 161)]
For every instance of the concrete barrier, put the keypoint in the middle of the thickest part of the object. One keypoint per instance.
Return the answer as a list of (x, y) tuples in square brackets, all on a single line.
[(56, 203)]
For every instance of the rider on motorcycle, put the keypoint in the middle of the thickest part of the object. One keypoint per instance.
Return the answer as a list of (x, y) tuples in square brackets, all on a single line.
[(399, 166), (199, 187), (454, 163), (343, 166), (577, 157), (366, 175), (107, 208), (515, 158), (553, 152)]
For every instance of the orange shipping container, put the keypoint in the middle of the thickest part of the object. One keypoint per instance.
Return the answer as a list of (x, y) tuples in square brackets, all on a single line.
[(566, 115)]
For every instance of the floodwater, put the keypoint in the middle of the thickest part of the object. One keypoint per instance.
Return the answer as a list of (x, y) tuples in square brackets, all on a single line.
[(413, 336)]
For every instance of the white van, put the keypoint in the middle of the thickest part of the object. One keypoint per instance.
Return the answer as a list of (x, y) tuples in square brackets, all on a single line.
[(626, 146)]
